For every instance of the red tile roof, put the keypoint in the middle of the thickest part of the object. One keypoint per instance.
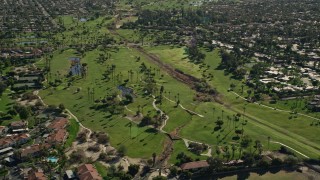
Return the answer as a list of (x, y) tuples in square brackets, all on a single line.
[(59, 123), (13, 139), (88, 172), (58, 136), (194, 165), (33, 149), (36, 175)]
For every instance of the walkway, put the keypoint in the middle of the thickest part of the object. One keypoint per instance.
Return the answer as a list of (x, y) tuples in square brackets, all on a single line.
[(192, 112), (276, 109)]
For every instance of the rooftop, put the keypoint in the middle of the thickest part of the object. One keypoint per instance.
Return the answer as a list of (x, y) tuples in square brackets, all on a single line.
[(194, 165)]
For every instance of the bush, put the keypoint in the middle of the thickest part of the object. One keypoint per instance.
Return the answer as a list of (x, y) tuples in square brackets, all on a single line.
[(133, 169), (197, 148), (95, 148), (77, 156), (122, 150), (276, 162), (285, 150), (291, 160), (263, 163), (82, 137), (103, 138)]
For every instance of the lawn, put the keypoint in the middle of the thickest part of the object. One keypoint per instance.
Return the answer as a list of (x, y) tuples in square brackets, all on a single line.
[(295, 132), (194, 127), (179, 147), (176, 57), (102, 170), (73, 129), (262, 122), (5, 101)]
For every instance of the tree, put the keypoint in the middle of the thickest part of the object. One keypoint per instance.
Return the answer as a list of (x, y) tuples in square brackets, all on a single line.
[(276, 162), (173, 171), (103, 138), (24, 112), (219, 123), (233, 148), (3, 87), (133, 169), (122, 150), (61, 107), (291, 160), (245, 143), (258, 146), (215, 164), (248, 159)]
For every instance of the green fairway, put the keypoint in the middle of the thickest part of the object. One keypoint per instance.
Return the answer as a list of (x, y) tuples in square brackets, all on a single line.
[(259, 123), (179, 147), (193, 127), (294, 132)]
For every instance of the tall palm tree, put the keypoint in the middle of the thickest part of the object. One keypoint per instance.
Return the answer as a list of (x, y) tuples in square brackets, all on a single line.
[(233, 148)]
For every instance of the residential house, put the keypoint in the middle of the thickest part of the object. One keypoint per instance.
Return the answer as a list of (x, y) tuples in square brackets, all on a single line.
[(58, 123), (69, 175), (57, 137), (14, 140), (33, 150), (19, 125), (88, 172), (36, 175)]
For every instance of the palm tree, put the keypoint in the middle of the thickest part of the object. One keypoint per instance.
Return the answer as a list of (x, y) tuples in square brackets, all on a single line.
[(257, 146), (233, 148), (222, 114), (213, 110)]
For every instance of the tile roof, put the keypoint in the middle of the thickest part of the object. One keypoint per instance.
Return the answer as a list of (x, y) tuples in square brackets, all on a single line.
[(33, 149), (59, 123), (58, 136), (194, 165), (36, 175), (88, 172), (13, 139)]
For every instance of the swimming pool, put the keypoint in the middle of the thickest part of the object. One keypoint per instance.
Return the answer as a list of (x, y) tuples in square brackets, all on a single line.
[(52, 159)]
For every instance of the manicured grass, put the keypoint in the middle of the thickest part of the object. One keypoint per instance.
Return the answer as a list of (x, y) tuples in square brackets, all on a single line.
[(102, 170), (73, 129), (5, 101), (176, 57), (295, 131), (262, 122), (146, 140), (179, 147)]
